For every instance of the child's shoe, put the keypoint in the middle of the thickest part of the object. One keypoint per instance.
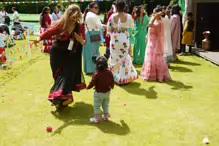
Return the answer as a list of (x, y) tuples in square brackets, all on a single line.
[(105, 118), (94, 120)]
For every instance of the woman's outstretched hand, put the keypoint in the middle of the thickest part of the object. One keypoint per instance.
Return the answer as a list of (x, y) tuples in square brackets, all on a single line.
[(35, 42)]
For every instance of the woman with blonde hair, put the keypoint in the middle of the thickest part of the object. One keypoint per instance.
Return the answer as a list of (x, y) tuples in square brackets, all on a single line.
[(66, 56)]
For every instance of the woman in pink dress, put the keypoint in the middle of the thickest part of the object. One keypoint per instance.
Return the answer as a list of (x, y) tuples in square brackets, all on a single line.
[(155, 67), (176, 30)]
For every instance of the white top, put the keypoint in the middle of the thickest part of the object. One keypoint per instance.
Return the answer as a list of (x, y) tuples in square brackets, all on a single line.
[(128, 24), (60, 13), (16, 17), (168, 41), (93, 22), (2, 19), (56, 17)]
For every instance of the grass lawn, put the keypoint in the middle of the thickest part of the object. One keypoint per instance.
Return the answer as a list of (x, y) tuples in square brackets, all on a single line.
[(178, 113)]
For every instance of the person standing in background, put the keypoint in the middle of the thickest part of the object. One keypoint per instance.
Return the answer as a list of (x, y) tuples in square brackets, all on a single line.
[(141, 31), (45, 22), (188, 34), (175, 30), (3, 14), (181, 23), (168, 49), (93, 28), (107, 37), (15, 15), (130, 32), (60, 10), (56, 15)]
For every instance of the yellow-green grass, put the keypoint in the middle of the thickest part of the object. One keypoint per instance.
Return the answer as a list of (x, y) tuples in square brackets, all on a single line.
[(19, 56), (178, 113)]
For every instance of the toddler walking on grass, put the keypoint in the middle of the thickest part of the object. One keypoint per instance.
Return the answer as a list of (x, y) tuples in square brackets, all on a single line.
[(103, 83)]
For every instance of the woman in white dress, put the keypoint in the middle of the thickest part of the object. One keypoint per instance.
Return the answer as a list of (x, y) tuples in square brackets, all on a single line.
[(168, 49), (120, 61)]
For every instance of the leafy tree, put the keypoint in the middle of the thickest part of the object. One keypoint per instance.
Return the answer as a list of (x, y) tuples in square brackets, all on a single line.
[(173, 2)]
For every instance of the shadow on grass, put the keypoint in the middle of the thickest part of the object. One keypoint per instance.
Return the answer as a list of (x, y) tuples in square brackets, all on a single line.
[(134, 88), (186, 63), (177, 85), (180, 69), (80, 114)]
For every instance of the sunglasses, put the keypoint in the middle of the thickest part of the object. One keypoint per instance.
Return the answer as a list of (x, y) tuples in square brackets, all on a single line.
[(96, 8)]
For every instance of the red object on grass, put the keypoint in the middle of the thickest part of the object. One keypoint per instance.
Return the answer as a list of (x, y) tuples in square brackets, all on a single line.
[(49, 129)]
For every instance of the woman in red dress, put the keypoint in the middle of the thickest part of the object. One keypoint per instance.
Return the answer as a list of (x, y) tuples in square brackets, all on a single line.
[(45, 22), (4, 32), (66, 56)]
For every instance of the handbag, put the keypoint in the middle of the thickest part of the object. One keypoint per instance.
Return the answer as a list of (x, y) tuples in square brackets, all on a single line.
[(94, 37)]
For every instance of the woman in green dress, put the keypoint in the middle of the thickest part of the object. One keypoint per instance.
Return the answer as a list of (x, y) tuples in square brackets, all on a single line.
[(141, 31)]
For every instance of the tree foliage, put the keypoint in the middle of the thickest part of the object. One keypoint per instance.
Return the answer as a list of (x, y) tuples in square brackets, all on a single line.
[(173, 2), (104, 5)]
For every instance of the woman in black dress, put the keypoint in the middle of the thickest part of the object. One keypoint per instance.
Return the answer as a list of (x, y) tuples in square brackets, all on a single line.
[(66, 56)]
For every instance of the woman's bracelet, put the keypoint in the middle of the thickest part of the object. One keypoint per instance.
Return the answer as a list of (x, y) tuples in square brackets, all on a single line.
[(84, 42)]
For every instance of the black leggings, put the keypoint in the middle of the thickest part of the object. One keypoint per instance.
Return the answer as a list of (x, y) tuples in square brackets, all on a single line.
[(184, 48)]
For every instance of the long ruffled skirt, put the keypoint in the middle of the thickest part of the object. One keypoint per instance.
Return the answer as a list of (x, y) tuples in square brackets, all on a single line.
[(67, 72)]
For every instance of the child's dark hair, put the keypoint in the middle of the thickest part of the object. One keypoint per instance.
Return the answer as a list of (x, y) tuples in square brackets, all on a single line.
[(190, 14), (101, 63)]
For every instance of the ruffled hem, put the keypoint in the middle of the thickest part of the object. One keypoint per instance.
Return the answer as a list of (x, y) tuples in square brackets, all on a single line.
[(125, 81), (59, 95), (155, 79)]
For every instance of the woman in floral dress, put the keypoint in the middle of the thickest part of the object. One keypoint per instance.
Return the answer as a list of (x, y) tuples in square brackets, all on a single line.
[(120, 61)]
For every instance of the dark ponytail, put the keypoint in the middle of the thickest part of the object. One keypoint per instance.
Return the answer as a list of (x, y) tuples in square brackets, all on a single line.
[(91, 5), (85, 13), (43, 14)]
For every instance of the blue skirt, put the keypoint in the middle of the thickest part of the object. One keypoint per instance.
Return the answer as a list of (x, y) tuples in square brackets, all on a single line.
[(90, 49)]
